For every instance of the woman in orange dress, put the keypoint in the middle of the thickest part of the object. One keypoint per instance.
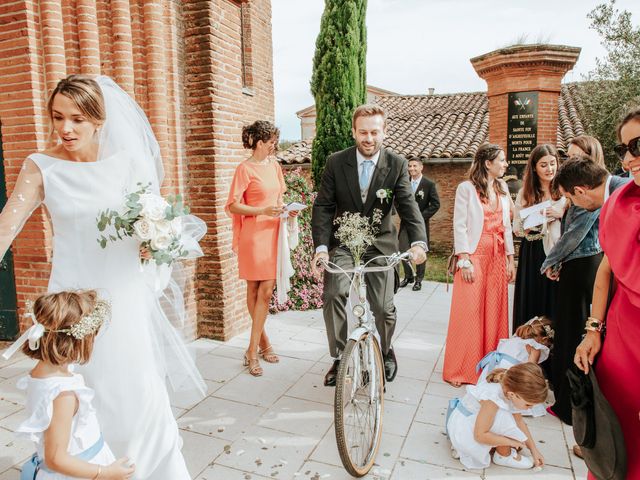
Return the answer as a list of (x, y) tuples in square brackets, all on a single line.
[(255, 204), (484, 245)]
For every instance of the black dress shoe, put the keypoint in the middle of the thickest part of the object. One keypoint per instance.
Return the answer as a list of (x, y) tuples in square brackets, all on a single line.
[(330, 377), (405, 282), (417, 286), (390, 366)]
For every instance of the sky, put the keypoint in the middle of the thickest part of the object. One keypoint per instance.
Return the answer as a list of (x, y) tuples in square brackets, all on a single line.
[(414, 45)]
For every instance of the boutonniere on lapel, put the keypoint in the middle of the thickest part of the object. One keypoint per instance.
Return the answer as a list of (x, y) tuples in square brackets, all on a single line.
[(384, 194), (420, 193)]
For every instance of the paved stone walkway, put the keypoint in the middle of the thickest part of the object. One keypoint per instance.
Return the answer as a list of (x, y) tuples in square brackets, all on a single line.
[(280, 426)]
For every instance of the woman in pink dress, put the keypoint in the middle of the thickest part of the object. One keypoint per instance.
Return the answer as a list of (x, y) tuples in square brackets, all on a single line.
[(484, 245), (618, 365), (255, 205)]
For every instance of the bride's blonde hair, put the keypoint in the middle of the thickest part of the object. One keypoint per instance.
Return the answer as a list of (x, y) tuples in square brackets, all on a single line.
[(85, 92)]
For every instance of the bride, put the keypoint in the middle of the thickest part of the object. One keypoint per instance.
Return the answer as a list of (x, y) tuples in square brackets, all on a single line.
[(106, 147)]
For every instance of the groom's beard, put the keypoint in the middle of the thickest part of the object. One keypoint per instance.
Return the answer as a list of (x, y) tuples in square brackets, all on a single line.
[(368, 149)]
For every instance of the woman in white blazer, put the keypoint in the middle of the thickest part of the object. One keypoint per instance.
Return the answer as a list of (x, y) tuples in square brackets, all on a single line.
[(484, 245)]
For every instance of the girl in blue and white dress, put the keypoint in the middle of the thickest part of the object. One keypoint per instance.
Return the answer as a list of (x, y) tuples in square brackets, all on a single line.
[(60, 418), (531, 342), (489, 416)]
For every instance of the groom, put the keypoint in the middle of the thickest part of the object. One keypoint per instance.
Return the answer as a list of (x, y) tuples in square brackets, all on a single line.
[(363, 179)]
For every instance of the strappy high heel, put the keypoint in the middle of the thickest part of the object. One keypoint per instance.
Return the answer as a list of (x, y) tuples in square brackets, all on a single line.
[(254, 366), (269, 357)]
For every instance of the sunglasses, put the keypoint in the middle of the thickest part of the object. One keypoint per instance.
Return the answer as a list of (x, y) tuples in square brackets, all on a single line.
[(633, 148)]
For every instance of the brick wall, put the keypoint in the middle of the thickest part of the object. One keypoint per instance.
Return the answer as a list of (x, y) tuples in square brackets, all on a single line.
[(183, 62), (447, 175), (24, 129)]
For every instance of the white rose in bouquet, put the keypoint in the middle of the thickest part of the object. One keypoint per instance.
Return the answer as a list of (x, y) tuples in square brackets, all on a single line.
[(153, 207), (161, 241), (158, 224), (144, 229), (163, 227)]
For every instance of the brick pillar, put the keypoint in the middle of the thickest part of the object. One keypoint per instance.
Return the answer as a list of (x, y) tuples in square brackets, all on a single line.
[(88, 37), (525, 68), (217, 106), (156, 71), (52, 42)]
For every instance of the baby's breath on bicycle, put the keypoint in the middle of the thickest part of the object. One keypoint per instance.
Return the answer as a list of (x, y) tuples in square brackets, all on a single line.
[(357, 233)]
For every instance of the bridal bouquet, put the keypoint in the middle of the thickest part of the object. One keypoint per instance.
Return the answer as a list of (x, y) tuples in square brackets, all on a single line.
[(357, 233), (154, 221)]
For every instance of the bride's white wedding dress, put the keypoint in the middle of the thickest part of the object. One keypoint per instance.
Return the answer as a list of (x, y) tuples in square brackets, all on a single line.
[(128, 365), (138, 349)]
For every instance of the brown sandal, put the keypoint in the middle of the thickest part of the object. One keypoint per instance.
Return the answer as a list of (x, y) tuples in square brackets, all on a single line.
[(269, 357), (254, 366)]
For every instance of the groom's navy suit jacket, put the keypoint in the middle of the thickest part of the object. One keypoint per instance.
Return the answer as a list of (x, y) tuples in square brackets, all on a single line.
[(340, 192)]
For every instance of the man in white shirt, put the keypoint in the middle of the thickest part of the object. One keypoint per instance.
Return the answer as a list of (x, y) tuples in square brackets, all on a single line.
[(426, 196)]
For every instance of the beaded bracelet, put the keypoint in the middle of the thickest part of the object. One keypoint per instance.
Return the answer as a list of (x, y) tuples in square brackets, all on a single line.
[(593, 325)]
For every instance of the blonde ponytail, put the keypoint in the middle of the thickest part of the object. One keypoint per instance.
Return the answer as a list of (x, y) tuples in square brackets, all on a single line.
[(497, 375)]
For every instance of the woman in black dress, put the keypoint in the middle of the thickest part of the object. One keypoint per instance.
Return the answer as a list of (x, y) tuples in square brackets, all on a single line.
[(535, 294)]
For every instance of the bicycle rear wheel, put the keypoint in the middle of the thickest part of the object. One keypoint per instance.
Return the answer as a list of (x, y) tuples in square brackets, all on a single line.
[(358, 405)]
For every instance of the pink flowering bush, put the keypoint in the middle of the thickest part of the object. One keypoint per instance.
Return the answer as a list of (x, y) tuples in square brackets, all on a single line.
[(306, 290)]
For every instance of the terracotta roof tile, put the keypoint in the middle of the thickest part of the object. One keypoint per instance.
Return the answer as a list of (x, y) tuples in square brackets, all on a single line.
[(298, 153), (570, 115), (448, 125)]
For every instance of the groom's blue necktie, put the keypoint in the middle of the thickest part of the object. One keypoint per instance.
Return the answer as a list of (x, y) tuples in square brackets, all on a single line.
[(365, 174)]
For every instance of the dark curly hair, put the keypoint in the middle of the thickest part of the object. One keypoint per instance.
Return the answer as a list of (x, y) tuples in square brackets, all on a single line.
[(258, 130)]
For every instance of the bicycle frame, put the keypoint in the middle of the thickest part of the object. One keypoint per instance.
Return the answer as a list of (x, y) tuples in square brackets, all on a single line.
[(366, 323), (359, 394)]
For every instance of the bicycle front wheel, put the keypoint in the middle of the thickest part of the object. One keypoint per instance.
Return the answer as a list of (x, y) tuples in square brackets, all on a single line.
[(358, 405)]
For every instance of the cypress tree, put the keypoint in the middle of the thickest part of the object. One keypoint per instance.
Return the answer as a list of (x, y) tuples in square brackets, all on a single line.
[(338, 83)]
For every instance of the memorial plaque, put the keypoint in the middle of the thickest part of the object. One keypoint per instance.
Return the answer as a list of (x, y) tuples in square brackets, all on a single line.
[(522, 128)]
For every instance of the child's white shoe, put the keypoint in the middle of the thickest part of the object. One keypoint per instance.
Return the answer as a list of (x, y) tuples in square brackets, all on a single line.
[(512, 460)]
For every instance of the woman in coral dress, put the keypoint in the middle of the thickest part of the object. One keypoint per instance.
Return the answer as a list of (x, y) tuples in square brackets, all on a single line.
[(255, 205), (618, 365), (484, 245)]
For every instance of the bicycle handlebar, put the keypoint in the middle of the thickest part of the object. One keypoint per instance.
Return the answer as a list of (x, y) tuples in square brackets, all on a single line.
[(392, 260)]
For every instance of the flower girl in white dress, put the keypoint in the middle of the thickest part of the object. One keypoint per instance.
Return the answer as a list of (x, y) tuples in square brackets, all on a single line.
[(531, 342), (61, 420), (488, 417)]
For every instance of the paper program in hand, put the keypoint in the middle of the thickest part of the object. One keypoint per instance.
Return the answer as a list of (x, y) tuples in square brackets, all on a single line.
[(534, 215), (294, 207)]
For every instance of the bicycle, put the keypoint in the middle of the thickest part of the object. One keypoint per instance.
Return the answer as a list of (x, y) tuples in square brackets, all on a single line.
[(359, 395)]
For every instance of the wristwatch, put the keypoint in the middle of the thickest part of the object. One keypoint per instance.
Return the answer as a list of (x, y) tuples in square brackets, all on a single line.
[(594, 324), (464, 263)]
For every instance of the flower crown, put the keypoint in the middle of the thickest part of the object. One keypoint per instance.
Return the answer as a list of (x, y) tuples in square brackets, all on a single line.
[(88, 325), (547, 329)]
